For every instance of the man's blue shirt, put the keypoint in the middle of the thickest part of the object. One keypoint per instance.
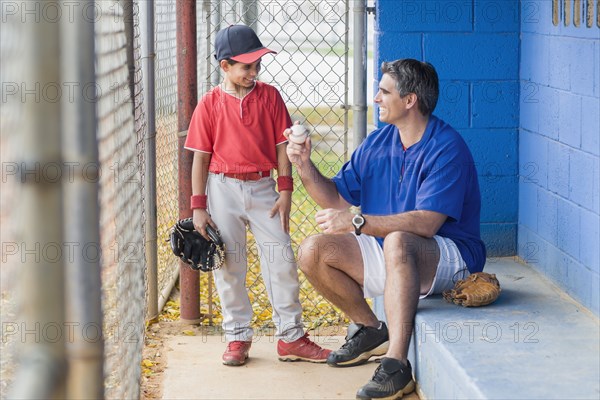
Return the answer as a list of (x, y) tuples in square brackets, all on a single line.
[(436, 174)]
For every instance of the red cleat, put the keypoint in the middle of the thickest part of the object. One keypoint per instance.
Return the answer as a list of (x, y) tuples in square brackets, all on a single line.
[(236, 353), (302, 349)]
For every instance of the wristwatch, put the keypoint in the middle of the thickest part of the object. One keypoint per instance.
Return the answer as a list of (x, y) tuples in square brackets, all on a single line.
[(358, 221)]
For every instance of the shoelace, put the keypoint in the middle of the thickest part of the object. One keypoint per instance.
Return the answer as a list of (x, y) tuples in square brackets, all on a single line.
[(349, 342), (379, 374), (309, 343), (235, 346)]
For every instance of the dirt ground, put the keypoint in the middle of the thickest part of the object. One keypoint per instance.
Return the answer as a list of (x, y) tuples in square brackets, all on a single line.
[(155, 350), (154, 356)]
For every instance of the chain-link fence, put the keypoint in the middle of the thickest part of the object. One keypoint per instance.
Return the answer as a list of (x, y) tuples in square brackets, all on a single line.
[(120, 132), (311, 72), (121, 129), (166, 137)]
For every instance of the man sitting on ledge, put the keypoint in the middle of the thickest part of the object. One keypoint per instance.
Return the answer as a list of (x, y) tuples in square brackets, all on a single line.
[(416, 184)]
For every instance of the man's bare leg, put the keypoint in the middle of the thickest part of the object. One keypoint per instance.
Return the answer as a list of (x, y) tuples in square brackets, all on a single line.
[(411, 263), (333, 265), (336, 270)]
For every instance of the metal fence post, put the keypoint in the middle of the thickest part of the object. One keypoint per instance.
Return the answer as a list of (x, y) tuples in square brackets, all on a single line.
[(359, 116), (82, 222), (187, 96), (42, 366), (148, 58)]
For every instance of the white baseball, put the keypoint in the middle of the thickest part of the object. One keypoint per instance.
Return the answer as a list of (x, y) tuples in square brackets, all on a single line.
[(299, 134)]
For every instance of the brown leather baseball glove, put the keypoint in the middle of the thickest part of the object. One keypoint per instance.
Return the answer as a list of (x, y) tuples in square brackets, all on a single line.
[(478, 289)]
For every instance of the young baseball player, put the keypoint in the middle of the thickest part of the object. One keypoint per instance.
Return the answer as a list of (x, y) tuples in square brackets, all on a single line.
[(236, 133)]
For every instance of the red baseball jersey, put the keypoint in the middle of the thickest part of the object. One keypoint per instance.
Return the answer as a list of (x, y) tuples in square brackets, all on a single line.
[(242, 135)]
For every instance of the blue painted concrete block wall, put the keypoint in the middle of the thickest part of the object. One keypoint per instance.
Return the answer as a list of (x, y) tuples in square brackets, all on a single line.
[(525, 94), (559, 151), (475, 48)]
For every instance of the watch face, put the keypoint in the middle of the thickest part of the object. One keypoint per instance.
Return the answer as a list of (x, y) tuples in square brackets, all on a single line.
[(358, 220)]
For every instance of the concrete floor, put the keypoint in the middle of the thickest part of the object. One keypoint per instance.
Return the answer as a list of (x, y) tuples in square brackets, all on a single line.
[(194, 371)]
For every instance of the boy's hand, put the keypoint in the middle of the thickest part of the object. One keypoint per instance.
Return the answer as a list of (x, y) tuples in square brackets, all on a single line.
[(283, 205), (299, 154), (201, 219)]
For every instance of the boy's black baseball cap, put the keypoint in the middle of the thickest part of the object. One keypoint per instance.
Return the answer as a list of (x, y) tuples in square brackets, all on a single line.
[(239, 43)]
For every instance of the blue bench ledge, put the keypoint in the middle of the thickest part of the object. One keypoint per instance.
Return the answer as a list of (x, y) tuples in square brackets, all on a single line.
[(534, 342)]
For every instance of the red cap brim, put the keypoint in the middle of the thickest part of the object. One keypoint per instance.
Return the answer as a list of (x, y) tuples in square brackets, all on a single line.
[(249, 58)]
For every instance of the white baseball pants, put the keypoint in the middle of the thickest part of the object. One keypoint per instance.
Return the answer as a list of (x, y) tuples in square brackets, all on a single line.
[(232, 204)]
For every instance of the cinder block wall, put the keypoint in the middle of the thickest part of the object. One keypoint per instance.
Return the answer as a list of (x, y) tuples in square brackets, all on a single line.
[(559, 150), (475, 49)]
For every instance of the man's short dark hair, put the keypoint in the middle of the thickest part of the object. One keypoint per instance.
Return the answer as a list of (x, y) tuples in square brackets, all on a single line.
[(414, 76)]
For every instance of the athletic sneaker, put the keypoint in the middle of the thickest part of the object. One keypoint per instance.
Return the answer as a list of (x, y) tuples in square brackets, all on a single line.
[(362, 343), (302, 349), (391, 380), (236, 353)]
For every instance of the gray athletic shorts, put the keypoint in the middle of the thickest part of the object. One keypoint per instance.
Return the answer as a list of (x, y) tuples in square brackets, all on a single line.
[(450, 268)]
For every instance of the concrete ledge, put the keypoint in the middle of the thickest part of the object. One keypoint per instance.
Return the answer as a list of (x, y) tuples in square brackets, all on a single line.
[(534, 342)]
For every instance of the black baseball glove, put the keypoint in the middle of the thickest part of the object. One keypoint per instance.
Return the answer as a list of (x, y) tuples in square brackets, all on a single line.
[(193, 249)]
